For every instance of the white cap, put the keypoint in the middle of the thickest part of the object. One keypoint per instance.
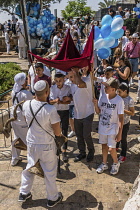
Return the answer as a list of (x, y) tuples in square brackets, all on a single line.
[(135, 35), (58, 71), (40, 85)]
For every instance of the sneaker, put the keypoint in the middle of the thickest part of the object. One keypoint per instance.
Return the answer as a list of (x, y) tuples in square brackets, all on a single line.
[(102, 168), (64, 157), (115, 168), (71, 134), (79, 157), (121, 159), (15, 161), (54, 203), (23, 198)]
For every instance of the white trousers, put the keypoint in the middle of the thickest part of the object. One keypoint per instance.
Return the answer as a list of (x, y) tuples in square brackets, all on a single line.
[(20, 131), (46, 154), (8, 47), (22, 52)]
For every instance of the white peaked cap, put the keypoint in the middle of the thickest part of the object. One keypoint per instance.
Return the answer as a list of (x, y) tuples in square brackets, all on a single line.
[(40, 85), (19, 79)]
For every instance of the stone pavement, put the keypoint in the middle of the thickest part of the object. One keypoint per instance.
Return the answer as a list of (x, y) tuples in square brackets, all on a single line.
[(81, 186)]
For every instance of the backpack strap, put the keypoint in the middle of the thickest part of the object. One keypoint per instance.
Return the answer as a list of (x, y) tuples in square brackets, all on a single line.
[(16, 98)]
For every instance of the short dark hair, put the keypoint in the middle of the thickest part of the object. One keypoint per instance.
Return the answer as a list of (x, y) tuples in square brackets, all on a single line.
[(114, 84), (59, 75), (109, 69), (123, 86), (39, 65)]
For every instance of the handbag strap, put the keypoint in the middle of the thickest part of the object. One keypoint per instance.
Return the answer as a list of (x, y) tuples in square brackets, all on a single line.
[(132, 50)]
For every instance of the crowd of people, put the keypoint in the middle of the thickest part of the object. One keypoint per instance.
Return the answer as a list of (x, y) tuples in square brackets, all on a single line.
[(55, 104)]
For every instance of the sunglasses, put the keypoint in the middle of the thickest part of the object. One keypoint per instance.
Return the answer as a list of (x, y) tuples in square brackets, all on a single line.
[(75, 40)]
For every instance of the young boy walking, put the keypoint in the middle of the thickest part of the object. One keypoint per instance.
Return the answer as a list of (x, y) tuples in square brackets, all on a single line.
[(111, 110), (60, 96)]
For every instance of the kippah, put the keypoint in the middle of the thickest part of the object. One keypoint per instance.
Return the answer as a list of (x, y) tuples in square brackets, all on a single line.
[(40, 85)]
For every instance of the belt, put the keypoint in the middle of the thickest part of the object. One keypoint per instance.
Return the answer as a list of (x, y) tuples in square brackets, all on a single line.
[(132, 58)]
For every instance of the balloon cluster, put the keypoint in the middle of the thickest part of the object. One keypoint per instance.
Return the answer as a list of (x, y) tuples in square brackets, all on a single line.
[(33, 9), (107, 37), (43, 26), (137, 10)]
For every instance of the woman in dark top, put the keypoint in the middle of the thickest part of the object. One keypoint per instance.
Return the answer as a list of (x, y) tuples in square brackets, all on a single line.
[(124, 71)]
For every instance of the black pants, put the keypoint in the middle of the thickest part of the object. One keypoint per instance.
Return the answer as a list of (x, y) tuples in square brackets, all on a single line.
[(14, 28), (124, 139), (83, 128), (64, 116), (82, 33)]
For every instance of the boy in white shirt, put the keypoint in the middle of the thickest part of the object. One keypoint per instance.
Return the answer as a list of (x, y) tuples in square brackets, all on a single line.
[(60, 96), (111, 110)]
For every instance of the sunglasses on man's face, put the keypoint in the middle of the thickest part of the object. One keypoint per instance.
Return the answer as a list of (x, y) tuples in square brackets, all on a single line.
[(75, 40)]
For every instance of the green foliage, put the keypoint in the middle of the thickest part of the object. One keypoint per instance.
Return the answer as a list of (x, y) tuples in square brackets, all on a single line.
[(131, 24), (7, 73), (107, 3), (76, 8)]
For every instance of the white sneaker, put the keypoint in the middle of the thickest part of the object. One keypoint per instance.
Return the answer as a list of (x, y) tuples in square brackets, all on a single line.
[(102, 168), (71, 134), (15, 161), (115, 168)]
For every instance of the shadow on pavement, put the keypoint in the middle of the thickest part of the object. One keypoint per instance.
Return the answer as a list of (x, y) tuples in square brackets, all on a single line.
[(80, 200)]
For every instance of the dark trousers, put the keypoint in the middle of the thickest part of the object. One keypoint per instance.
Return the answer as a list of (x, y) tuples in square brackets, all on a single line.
[(124, 139), (14, 28), (83, 128), (82, 33), (64, 116)]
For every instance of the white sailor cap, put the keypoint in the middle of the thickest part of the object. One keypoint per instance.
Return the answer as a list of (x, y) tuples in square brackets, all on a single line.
[(40, 85)]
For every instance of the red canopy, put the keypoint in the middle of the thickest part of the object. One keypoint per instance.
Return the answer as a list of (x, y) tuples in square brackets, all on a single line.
[(69, 56)]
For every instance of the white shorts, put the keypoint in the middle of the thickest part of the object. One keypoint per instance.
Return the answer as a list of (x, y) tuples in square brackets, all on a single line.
[(108, 139)]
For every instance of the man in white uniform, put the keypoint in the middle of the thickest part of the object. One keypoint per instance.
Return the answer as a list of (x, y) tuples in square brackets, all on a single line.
[(7, 41), (40, 143), (19, 93), (21, 44)]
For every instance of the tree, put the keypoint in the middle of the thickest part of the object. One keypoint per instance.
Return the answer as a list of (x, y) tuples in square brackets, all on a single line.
[(76, 8), (9, 5), (107, 3)]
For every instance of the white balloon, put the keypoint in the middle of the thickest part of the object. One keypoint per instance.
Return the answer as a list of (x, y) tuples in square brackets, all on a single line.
[(117, 24), (100, 43), (137, 13)]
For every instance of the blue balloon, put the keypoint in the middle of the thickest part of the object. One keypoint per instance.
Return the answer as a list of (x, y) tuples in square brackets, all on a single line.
[(33, 34), (135, 9), (96, 32), (107, 19), (31, 25), (105, 30), (35, 13), (109, 41), (47, 20), (138, 16), (52, 17), (103, 53), (116, 16), (35, 8), (116, 44), (38, 6), (50, 28), (117, 34), (33, 30), (117, 24)]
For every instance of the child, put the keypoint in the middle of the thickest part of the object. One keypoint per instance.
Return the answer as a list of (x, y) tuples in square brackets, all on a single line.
[(39, 67), (60, 96), (108, 74), (129, 110), (111, 110)]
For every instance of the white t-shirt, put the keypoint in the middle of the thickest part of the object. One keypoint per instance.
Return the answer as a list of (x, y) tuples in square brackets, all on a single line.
[(127, 15), (73, 88), (100, 80), (46, 117), (23, 95), (82, 98), (128, 102), (124, 41), (55, 92), (32, 75), (110, 109)]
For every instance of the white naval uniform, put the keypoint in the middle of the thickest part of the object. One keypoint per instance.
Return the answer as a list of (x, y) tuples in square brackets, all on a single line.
[(22, 45), (41, 146), (19, 126), (7, 41)]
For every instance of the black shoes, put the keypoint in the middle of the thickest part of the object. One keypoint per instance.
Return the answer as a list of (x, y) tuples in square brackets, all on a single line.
[(53, 203), (79, 157), (90, 156), (23, 198), (64, 157)]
